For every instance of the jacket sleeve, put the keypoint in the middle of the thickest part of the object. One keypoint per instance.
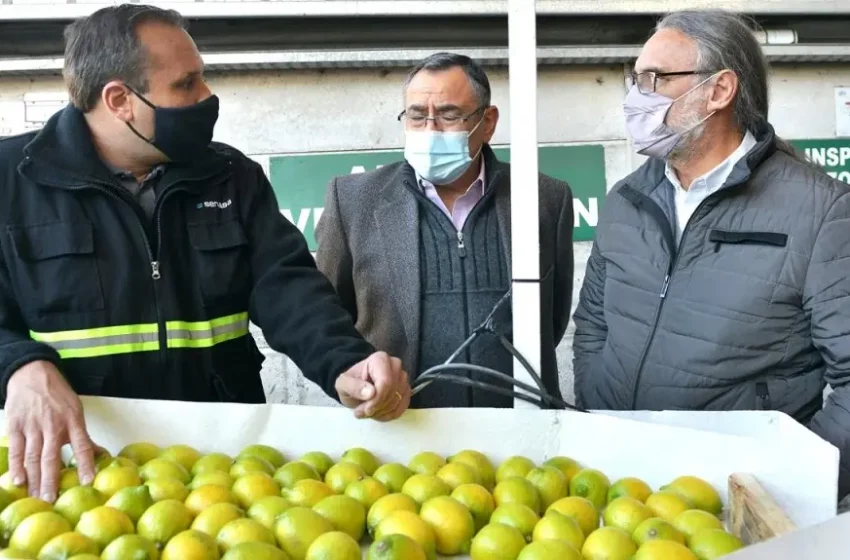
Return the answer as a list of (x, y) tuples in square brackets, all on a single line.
[(292, 301), (333, 255), (17, 349), (825, 297), (564, 266), (591, 329)]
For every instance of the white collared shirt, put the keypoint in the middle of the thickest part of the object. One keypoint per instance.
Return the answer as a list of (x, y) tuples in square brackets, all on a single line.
[(687, 200), (463, 205)]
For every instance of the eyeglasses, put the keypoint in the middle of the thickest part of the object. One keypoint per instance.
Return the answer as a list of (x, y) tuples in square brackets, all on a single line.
[(444, 120), (647, 81)]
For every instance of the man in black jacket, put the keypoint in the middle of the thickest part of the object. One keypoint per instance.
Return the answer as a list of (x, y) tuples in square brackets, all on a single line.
[(134, 252)]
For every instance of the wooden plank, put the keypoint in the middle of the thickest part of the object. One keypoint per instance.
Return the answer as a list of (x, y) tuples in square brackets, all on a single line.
[(754, 516)]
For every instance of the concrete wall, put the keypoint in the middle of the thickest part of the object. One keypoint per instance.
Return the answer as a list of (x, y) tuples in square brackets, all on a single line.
[(315, 111)]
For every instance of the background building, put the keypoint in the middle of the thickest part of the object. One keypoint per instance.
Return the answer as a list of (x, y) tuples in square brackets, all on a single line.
[(312, 88)]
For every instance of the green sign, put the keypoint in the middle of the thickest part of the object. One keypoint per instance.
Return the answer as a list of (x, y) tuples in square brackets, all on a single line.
[(300, 181), (832, 154)]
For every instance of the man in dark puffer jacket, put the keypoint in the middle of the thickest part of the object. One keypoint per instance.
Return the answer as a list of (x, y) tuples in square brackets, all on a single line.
[(719, 275)]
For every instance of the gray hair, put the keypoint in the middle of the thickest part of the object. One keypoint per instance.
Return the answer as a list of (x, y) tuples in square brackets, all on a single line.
[(104, 46), (725, 41), (445, 61)]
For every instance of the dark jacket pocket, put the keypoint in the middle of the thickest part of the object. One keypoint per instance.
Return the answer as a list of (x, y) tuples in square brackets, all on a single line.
[(56, 267), (222, 260), (720, 237)]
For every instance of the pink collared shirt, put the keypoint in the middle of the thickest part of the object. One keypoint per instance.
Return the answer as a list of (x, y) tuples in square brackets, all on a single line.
[(463, 205)]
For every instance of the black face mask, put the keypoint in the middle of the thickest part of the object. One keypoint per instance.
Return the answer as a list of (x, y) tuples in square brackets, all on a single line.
[(182, 133)]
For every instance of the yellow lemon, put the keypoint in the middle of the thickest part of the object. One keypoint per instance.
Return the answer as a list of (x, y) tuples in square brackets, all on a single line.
[(184, 455), (318, 460), (133, 501), (663, 550), (140, 452), (163, 520), (255, 551), (250, 464), (387, 505), (631, 487), (66, 545), (452, 524), (266, 452), (297, 528), (15, 492), (241, 531), (423, 487), (215, 478), (479, 462), (626, 513), (367, 491), (519, 516), (162, 467), (455, 474), (342, 474), (18, 554), (16, 512), (68, 478), (497, 541), (516, 466), (517, 490), (37, 530), (591, 484), (478, 501), (581, 509), (335, 545), (213, 463), (559, 527), (569, 467), (115, 477), (200, 499), (213, 518), (253, 486), (656, 528), (167, 489), (393, 476), (694, 520), (667, 505), (608, 543), (292, 472), (307, 493), (710, 544), (550, 550), (265, 510), (403, 522), (191, 545), (345, 514), (551, 484), (426, 462), (76, 501), (396, 547), (363, 457), (698, 492), (105, 524), (130, 546)]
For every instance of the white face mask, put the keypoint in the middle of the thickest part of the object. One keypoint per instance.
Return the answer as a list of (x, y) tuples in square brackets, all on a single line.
[(439, 157), (645, 116)]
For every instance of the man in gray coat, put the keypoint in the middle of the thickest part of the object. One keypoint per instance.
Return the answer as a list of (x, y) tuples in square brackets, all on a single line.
[(719, 277), (419, 251)]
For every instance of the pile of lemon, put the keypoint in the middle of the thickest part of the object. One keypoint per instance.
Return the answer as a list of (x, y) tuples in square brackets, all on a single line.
[(150, 503)]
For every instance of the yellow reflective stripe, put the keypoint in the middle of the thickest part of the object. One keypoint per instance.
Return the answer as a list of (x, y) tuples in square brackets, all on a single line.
[(207, 325), (204, 334), (205, 342), (98, 332), (109, 350)]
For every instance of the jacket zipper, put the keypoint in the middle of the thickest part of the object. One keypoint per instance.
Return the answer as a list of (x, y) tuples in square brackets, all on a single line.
[(664, 223)]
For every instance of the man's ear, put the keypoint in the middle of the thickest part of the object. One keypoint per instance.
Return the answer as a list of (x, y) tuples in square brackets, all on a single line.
[(116, 98), (491, 120), (724, 91)]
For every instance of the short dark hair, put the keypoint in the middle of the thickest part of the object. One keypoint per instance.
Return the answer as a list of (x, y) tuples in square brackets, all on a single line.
[(445, 61), (104, 46)]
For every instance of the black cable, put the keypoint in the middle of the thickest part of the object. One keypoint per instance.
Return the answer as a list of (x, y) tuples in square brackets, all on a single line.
[(460, 380), (512, 349), (549, 399)]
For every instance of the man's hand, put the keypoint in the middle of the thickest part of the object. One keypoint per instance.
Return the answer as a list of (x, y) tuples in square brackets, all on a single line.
[(376, 388), (42, 414)]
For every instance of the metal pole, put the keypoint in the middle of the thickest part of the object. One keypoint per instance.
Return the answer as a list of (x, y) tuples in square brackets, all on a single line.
[(525, 239)]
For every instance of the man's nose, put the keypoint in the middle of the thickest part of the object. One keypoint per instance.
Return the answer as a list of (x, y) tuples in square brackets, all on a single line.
[(206, 93)]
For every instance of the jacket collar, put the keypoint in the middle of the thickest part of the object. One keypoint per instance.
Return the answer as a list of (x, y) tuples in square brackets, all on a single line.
[(62, 154), (651, 174)]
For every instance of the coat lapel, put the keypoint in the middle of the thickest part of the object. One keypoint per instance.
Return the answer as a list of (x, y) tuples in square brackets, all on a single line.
[(503, 211), (396, 220)]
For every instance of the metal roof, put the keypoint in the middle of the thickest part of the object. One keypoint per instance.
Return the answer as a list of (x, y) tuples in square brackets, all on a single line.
[(391, 58)]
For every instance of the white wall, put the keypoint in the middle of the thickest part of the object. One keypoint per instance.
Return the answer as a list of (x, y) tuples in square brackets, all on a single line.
[(306, 111)]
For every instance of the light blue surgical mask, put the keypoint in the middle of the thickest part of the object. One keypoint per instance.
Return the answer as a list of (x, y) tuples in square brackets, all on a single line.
[(439, 157)]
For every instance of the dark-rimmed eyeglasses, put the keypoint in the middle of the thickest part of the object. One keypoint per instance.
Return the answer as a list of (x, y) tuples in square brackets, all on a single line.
[(646, 82)]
